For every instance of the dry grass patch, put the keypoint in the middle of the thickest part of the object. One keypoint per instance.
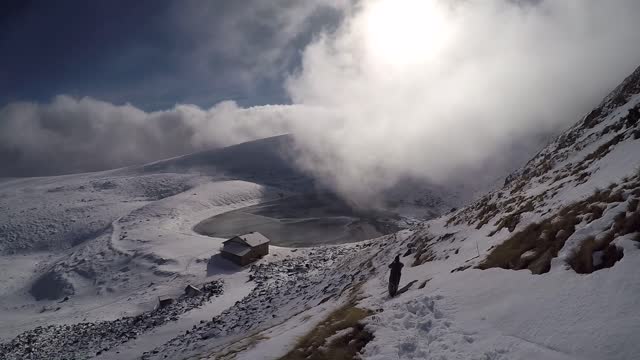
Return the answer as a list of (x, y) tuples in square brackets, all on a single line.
[(633, 117), (511, 221), (626, 223), (604, 149), (534, 247), (595, 254), (423, 251), (320, 343), (593, 118), (538, 243)]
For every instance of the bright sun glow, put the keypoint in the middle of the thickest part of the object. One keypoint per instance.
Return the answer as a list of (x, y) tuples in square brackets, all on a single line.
[(404, 32)]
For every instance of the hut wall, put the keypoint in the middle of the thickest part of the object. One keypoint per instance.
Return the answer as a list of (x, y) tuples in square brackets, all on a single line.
[(261, 250)]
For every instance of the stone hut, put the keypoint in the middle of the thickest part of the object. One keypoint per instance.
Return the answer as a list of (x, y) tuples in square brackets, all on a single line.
[(191, 290), (164, 301), (245, 249)]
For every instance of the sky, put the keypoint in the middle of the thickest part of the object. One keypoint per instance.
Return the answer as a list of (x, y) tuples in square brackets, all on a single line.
[(374, 91), (153, 53)]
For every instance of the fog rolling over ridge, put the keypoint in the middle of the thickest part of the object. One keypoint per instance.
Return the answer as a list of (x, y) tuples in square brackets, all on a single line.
[(433, 90)]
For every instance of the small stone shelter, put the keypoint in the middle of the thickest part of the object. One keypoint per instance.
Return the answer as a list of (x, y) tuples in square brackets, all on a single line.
[(245, 249), (164, 301), (191, 290)]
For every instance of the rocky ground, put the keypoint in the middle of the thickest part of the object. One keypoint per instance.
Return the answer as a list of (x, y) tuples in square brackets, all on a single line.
[(85, 340), (283, 289)]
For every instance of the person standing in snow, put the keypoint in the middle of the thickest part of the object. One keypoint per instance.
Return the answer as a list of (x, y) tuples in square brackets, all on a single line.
[(394, 278)]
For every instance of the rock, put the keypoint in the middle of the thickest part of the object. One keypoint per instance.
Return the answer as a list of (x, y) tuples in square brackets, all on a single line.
[(51, 286)]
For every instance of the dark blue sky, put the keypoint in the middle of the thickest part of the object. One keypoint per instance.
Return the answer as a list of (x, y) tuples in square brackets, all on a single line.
[(153, 53)]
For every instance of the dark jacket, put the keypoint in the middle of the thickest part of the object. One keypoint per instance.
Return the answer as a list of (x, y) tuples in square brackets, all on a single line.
[(396, 271)]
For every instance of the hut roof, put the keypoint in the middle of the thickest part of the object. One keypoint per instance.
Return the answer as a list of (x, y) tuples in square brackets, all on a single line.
[(191, 290), (236, 248), (251, 239)]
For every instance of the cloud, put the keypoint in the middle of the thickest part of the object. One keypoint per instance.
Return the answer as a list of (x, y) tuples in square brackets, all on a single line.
[(255, 42), (448, 92), (434, 89), (74, 135)]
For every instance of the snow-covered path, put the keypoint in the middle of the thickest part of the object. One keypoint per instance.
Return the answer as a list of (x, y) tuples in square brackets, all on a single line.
[(505, 314)]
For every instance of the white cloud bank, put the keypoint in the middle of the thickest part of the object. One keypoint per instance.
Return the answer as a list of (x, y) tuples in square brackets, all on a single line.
[(430, 88), (403, 88), (72, 135)]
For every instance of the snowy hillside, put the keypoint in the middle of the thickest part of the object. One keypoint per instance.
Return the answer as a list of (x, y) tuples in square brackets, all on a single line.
[(103, 246), (568, 220), (542, 268)]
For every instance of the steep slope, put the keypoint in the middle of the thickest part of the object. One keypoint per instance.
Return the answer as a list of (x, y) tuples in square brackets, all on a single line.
[(568, 221)]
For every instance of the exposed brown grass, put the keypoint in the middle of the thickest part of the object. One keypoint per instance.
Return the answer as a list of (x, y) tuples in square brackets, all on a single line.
[(632, 117), (453, 220), (488, 211), (583, 177), (314, 345), (582, 260), (544, 240), (423, 251), (604, 149), (593, 118), (511, 221), (519, 186), (626, 224)]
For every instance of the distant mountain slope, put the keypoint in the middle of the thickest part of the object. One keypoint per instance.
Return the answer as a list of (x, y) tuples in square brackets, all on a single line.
[(266, 161), (55, 213)]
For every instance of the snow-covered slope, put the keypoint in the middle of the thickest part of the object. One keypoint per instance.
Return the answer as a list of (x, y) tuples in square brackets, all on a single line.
[(100, 246), (541, 268), (267, 161), (559, 243)]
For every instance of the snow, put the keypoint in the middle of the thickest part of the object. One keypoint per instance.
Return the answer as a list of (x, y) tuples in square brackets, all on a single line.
[(339, 334), (501, 314), (237, 288), (254, 239), (122, 238), (277, 340), (127, 232)]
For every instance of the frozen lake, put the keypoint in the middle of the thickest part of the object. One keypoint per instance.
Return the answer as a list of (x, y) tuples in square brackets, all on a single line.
[(299, 221)]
